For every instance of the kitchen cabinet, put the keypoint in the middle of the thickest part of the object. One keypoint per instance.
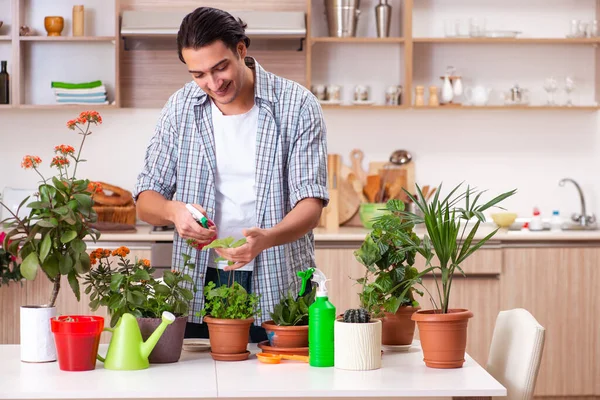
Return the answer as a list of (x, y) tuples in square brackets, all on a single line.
[(559, 286), (340, 266)]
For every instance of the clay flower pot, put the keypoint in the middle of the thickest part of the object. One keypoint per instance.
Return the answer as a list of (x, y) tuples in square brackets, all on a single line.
[(443, 337), (228, 338), (399, 328), (169, 346), (54, 25), (357, 345), (286, 336)]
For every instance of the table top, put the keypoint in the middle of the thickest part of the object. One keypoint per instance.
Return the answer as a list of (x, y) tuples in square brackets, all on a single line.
[(196, 375)]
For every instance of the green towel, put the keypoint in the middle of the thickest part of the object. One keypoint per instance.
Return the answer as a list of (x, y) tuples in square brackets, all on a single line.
[(86, 85)]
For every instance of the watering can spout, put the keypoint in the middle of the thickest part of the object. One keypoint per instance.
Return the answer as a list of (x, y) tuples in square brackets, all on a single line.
[(148, 345)]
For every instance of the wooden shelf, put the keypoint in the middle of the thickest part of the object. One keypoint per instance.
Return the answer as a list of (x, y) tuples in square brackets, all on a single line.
[(509, 40), (64, 106), (510, 108), (363, 107), (327, 39), (5, 38), (4, 106), (67, 38)]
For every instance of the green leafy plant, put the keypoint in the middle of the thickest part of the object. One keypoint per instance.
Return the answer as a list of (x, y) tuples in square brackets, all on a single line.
[(131, 288), (224, 243), (10, 268), (229, 302), (446, 224), (388, 253), (51, 236), (293, 310)]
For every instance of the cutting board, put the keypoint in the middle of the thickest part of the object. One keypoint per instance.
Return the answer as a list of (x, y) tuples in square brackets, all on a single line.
[(375, 166)]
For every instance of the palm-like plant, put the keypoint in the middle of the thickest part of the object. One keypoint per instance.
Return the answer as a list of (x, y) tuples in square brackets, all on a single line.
[(446, 224)]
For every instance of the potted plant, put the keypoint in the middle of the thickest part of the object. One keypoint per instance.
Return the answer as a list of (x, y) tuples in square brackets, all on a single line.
[(10, 268), (388, 254), (288, 328), (357, 341), (443, 329), (229, 311), (130, 287), (51, 236)]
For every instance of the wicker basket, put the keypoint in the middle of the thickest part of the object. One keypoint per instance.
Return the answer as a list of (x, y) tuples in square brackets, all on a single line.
[(117, 214)]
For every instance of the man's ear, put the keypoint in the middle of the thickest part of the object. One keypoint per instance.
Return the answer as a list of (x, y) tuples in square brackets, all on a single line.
[(242, 50)]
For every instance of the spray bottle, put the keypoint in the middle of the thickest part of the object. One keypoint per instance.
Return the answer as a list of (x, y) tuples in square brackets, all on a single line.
[(321, 319)]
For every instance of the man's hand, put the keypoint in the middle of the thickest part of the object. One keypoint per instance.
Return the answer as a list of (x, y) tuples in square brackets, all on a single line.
[(187, 226), (257, 240)]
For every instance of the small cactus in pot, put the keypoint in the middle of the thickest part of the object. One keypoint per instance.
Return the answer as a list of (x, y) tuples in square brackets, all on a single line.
[(357, 341)]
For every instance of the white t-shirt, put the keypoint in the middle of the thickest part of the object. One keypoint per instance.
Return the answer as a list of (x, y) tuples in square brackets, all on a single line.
[(235, 146)]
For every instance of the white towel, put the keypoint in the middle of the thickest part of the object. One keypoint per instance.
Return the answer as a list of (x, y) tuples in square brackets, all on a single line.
[(99, 89)]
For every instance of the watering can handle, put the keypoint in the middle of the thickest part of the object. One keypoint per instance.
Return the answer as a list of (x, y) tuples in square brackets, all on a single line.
[(98, 356)]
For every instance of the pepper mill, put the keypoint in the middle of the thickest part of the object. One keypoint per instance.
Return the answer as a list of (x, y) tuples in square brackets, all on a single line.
[(419, 96), (78, 20), (433, 96)]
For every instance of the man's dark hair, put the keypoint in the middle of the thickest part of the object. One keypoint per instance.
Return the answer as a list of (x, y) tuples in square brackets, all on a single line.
[(206, 25)]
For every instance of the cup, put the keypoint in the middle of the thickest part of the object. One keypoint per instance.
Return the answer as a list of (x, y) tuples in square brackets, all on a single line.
[(319, 92), (361, 93), (334, 93), (393, 95)]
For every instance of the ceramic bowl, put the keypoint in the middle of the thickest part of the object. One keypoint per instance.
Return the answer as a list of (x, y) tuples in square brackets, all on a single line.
[(54, 25), (368, 211), (504, 219)]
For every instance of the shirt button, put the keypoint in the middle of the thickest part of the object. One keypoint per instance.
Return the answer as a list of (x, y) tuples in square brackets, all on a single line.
[(210, 210)]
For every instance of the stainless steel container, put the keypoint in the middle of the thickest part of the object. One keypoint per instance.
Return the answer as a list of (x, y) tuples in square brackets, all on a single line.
[(383, 17), (342, 17)]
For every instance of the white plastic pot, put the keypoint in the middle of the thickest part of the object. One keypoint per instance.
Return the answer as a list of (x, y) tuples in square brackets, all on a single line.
[(37, 341), (357, 346)]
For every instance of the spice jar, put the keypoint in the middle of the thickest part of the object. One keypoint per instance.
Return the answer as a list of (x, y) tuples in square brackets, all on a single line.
[(78, 19)]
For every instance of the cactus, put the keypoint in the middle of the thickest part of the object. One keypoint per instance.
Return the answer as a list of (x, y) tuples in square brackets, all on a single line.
[(360, 316)]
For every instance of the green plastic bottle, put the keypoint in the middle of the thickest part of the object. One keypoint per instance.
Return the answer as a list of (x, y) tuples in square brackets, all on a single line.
[(321, 319)]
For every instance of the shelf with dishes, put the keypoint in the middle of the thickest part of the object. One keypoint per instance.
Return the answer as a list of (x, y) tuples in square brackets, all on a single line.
[(328, 39), (67, 39), (506, 40)]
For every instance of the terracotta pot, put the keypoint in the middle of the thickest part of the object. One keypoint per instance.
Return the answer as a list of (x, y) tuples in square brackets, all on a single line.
[(286, 336), (169, 346), (54, 25), (399, 328), (228, 336), (443, 336)]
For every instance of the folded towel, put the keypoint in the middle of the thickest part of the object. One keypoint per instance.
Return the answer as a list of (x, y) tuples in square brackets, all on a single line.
[(84, 85), (79, 95), (99, 89), (82, 101)]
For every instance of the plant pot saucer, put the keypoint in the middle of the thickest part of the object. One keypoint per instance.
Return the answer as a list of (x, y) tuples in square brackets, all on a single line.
[(396, 348), (230, 357), (197, 345), (297, 351)]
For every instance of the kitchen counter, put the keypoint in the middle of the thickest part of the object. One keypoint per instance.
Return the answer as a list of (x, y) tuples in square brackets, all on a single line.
[(197, 376), (357, 235)]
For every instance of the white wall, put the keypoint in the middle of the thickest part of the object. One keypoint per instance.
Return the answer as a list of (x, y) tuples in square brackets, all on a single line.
[(495, 150)]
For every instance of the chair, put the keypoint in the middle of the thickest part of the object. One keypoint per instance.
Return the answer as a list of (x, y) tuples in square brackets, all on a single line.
[(516, 352)]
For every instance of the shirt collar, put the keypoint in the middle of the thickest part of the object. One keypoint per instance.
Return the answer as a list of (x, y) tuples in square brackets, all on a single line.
[(263, 87)]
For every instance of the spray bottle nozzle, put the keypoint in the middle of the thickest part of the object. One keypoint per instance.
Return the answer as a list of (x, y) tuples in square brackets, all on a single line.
[(320, 278)]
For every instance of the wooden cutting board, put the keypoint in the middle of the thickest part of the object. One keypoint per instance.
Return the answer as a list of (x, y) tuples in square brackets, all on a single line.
[(344, 201), (375, 166)]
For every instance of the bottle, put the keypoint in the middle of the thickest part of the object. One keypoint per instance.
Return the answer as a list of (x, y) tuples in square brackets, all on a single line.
[(321, 319), (556, 222), (78, 20), (4, 84), (536, 223), (383, 18)]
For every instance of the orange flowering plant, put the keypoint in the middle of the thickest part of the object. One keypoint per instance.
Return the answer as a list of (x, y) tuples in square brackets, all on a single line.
[(130, 287), (51, 236)]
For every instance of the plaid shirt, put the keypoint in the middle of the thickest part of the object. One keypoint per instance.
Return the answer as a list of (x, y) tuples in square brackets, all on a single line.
[(291, 164)]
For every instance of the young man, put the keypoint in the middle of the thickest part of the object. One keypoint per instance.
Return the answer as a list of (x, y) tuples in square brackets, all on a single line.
[(248, 149)]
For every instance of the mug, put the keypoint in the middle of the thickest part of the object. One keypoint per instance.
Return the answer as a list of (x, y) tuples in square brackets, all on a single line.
[(334, 93), (393, 95), (361, 93), (319, 92)]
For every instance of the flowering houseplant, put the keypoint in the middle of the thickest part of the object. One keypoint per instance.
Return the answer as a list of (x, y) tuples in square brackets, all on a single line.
[(51, 236), (10, 268), (130, 287)]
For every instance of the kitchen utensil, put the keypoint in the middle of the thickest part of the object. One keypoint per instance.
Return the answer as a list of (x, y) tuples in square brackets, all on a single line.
[(348, 201), (356, 157), (269, 358), (357, 186), (383, 18), (342, 17), (395, 191), (516, 96), (419, 96), (389, 174), (400, 157), (504, 219), (372, 187), (375, 166)]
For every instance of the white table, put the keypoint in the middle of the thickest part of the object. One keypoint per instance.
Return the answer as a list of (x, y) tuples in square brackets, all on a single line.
[(197, 376)]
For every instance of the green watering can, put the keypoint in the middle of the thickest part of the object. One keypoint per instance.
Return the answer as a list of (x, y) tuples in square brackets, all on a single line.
[(127, 350)]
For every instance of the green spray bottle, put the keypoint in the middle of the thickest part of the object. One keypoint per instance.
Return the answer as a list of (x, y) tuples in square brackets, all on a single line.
[(321, 319)]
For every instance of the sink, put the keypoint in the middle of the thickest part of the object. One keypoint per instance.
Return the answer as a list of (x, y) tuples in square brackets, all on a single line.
[(577, 227)]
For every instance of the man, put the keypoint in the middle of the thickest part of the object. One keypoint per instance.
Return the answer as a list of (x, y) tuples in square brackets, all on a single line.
[(248, 149)]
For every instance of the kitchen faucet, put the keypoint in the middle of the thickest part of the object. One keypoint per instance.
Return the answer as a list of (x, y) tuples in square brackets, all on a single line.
[(582, 219)]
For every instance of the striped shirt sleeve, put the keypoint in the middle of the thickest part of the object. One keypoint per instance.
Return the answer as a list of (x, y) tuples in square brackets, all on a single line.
[(160, 163), (307, 176)]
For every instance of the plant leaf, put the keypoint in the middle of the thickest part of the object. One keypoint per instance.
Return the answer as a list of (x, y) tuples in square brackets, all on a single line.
[(30, 265), (68, 236), (74, 283), (45, 247)]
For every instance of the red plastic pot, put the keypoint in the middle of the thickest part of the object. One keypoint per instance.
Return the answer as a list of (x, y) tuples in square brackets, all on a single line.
[(77, 338)]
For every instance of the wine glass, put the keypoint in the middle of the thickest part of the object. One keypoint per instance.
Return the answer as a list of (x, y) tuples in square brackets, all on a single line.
[(569, 88), (550, 86)]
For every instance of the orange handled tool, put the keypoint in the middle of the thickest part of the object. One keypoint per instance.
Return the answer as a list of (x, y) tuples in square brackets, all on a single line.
[(268, 358)]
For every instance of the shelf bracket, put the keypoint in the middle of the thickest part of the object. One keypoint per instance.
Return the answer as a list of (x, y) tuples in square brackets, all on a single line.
[(301, 44)]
